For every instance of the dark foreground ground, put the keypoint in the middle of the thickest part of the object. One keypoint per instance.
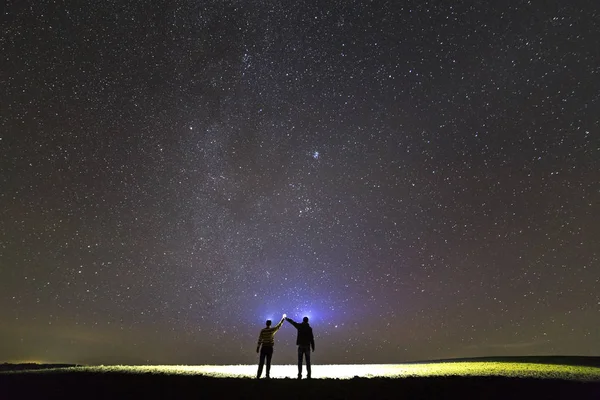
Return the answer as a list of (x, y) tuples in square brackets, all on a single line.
[(70, 385)]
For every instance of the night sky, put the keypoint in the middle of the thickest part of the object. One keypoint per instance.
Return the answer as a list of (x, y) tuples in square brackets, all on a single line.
[(421, 179)]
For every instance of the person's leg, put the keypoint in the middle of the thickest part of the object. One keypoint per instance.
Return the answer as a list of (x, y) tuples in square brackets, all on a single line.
[(261, 362), (300, 351), (269, 357), (307, 355)]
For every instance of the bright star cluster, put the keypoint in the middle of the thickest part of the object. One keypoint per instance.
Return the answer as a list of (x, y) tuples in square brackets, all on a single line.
[(420, 179)]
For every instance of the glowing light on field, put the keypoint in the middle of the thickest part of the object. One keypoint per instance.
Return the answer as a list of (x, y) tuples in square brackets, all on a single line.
[(522, 370), (31, 362)]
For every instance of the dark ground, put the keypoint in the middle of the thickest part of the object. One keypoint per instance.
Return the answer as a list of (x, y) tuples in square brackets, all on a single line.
[(81, 385)]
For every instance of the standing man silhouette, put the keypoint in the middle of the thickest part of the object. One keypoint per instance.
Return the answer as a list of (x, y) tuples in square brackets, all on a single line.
[(267, 340), (305, 342)]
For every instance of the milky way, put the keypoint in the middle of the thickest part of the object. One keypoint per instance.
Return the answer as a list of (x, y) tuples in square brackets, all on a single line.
[(420, 180)]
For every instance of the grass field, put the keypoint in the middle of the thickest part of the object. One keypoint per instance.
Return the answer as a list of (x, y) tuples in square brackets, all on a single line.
[(439, 380), (465, 369)]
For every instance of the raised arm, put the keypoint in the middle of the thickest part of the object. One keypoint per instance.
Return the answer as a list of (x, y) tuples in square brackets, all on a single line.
[(279, 324), (291, 321)]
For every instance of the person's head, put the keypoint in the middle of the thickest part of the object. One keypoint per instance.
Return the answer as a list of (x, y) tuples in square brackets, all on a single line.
[(268, 322), (305, 320)]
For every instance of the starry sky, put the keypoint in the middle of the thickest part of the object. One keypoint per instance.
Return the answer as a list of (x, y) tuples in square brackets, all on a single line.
[(421, 179)]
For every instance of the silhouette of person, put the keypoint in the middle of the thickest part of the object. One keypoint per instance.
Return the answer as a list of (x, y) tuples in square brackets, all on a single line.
[(266, 339), (305, 341)]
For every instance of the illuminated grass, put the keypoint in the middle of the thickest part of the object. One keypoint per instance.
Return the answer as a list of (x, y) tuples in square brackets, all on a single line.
[(472, 369)]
